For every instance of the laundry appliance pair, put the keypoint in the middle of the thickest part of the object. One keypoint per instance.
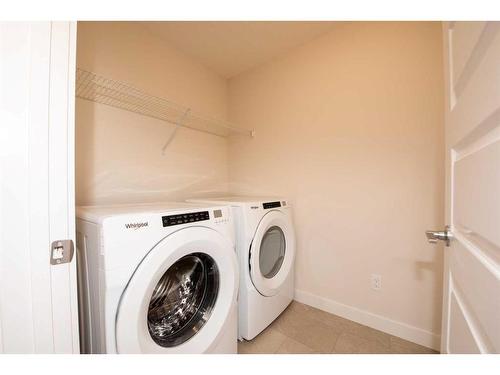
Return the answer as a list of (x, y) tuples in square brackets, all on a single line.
[(164, 278)]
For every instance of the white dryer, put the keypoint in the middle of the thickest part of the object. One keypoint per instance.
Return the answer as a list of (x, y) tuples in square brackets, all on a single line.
[(265, 243), (157, 278)]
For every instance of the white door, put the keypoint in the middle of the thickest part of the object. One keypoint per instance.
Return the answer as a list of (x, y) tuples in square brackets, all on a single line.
[(38, 301), (272, 253), (471, 309)]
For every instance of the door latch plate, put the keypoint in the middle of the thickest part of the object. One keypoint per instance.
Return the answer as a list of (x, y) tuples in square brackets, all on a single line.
[(61, 252)]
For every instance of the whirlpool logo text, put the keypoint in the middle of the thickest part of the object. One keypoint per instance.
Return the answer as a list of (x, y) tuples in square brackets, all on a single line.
[(136, 226)]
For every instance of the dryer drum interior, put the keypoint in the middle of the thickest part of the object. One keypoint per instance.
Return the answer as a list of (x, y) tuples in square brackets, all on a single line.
[(183, 299)]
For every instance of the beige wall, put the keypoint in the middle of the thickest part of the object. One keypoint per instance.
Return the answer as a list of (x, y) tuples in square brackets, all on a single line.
[(350, 128), (118, 154)]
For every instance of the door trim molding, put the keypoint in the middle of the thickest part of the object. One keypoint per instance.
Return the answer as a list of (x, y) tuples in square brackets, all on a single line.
[(381, 323)]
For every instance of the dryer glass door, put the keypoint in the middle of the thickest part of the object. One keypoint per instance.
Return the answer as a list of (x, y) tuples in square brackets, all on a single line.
[(272, 253)]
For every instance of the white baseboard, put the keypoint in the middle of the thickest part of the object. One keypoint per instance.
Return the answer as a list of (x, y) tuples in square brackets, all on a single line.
[(403, 330)]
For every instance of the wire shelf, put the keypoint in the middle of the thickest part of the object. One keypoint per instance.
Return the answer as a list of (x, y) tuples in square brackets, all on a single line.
[(99, 89)]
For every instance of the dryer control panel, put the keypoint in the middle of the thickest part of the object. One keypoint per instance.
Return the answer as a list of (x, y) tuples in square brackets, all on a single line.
[(190, 217)]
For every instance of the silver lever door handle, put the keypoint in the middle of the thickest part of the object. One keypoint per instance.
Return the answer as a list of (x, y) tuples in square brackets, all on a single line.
[(435, 236)]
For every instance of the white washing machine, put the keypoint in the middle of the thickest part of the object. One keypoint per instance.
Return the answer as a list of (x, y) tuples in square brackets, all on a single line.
[(265, 243), (157, 278)]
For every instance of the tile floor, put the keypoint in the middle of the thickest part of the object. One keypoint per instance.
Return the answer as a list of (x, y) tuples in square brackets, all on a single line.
[(302, 329)]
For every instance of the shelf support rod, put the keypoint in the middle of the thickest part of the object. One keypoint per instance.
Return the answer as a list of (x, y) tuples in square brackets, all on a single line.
[(178, 123)]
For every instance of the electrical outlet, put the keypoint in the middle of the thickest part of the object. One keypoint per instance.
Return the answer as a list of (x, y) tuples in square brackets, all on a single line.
[(376, 282)]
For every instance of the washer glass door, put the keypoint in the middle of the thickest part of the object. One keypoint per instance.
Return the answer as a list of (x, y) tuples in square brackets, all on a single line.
[(181, 296), (183, 299)]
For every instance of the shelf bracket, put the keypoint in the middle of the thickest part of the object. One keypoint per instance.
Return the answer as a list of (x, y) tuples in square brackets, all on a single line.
[(178, 124)]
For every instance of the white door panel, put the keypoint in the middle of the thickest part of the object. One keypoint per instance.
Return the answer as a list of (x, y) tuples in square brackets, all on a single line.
[(477, 101), (25, 51), (37, 301), (477, 282), (476, 198), (461, 338), (471, 320), (465, 38)]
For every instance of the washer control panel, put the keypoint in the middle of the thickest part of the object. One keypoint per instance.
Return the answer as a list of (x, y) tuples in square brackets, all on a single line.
[(268, 205), (190, 217)]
